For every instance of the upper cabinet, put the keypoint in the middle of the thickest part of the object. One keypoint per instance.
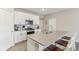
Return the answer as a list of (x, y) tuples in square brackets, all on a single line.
[(20, 18)]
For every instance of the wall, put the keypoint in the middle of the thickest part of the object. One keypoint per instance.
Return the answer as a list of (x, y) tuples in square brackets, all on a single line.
[(67, 20), (6, 28)]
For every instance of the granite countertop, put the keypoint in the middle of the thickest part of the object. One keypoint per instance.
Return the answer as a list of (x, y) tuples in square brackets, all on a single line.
[(46, 39)]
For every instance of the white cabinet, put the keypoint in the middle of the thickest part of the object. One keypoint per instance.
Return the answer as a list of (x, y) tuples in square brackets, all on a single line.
[(32, 45), (19, 36), (20, 17), (35, 20), (23, 35), (37, 30)]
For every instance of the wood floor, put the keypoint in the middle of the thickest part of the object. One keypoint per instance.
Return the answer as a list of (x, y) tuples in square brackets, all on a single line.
[(19, 47), (22, 46)]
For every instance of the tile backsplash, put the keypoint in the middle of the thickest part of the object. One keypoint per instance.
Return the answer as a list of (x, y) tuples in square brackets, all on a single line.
[(19, 27)]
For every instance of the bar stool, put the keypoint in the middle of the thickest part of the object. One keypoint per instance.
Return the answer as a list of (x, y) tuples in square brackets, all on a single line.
[(62, 42), (66, 38), (53, 48), (71, 44)]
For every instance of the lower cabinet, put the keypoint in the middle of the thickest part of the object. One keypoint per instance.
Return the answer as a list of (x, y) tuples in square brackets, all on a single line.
[(32, 45), (23, 35), (19, 36)]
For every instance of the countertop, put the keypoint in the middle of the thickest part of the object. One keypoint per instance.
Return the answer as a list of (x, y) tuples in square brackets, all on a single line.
[(46, 39)]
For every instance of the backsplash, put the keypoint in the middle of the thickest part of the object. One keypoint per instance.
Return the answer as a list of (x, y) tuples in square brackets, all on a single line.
[(27, 26), (19, 27)]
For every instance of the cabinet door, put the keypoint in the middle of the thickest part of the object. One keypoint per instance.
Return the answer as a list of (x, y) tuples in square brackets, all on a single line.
[(23, 35), (17, 37), (32, 45), (20, 17), (20, 36)]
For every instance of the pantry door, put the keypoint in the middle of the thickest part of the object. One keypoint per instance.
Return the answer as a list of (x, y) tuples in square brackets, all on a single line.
[(52, 24)]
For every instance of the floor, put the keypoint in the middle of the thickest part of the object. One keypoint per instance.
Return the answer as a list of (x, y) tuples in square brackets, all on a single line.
[(22, 47), (19, 47)]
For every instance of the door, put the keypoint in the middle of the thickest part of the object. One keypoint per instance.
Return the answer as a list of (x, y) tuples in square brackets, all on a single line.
[(52, 24), (6, 28)]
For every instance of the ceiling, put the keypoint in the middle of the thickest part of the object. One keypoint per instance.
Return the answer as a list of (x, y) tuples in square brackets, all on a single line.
[(43, 11)]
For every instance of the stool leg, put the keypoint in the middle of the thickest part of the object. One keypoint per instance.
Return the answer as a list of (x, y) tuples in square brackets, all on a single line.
[(73, 47)]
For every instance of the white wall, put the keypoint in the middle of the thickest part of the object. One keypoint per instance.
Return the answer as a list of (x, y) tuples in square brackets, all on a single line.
[(67, 20), (6, 28)]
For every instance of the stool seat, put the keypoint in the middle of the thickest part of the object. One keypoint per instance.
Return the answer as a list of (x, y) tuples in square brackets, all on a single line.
[(52, 48), (66, 37), (62, 42)]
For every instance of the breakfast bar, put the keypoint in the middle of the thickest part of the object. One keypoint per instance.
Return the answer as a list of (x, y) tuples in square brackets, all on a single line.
[(39, 41)]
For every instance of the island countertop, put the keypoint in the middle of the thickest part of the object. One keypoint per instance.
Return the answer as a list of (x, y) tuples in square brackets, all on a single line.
[(46, 39)]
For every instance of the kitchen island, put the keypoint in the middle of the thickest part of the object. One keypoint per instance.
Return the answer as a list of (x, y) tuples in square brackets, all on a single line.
[(39, 41)]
